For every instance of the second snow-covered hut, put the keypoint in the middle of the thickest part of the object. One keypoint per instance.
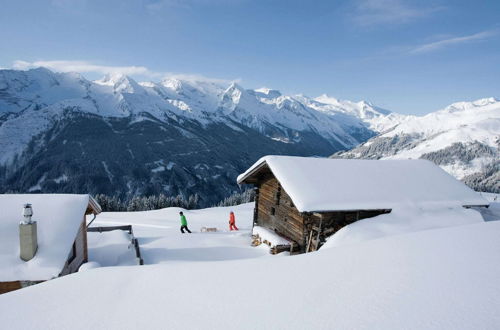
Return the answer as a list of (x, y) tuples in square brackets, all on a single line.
[(52, 245)]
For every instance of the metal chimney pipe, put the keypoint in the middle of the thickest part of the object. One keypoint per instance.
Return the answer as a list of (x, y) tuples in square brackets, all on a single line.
[(27, 213)]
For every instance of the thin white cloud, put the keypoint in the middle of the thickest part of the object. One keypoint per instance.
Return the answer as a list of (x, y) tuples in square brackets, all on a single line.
[(433, 46), (87, 67), (374, 12)]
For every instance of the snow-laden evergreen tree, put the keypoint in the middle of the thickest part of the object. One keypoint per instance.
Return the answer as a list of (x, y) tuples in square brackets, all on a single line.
[(146, 203), (238, 198)]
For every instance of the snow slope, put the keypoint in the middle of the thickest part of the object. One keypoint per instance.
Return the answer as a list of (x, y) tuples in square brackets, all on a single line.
[(403, 220), (435, 279), (464, 122), (492, 213), (379, 120)]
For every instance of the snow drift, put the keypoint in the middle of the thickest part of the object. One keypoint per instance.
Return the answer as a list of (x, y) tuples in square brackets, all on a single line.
[(403, 220)]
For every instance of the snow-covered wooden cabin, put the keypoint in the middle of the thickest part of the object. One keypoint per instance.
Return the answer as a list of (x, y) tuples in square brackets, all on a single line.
[(305, 200), (57, 237)]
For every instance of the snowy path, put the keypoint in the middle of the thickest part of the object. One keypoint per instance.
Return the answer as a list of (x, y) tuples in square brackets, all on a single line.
[(160, 239)]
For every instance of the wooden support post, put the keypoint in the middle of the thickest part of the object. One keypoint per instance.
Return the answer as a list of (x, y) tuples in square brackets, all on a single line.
[(319, 232), (256, 208), (309, 241)]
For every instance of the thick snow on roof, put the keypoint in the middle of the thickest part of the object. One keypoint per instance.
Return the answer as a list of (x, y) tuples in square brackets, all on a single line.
[(433, 279), (323, 184), (58, 219)]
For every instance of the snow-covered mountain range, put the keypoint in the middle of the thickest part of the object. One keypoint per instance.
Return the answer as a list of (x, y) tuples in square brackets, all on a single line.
[(463, 138), (60, 132)]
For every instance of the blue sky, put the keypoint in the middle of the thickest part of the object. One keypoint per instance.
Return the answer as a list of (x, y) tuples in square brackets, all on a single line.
[(406, 56)]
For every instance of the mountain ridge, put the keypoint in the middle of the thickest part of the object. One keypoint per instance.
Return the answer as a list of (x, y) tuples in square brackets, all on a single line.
[(122, 137), (463, 138)]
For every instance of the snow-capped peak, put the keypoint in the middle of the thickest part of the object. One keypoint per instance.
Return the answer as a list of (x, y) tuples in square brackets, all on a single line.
[(110, 79), (235, 92), (461, 106), (362, 108), (120, 82), (267, 92), (324, 98), (196, 90), (234, 86), (377, 119), (232, 96), (172, 83)]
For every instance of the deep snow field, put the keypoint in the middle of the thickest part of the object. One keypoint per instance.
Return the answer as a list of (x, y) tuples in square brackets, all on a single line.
[(161, 241), (416, 277)]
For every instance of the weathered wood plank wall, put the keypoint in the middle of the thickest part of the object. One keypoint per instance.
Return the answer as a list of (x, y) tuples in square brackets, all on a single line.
[(80, 251), (276, 211), (9, 286)]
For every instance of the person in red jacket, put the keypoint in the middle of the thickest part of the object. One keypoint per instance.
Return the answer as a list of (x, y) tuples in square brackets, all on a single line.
[(232, 221)]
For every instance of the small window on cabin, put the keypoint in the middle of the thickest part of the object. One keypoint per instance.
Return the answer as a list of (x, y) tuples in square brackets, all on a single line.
[(72, 254), (273, 210), (277, 196)]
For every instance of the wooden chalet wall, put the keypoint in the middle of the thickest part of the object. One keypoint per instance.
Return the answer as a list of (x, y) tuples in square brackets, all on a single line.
[(15, 285), (9, 286), (78, 253), (275, 210)]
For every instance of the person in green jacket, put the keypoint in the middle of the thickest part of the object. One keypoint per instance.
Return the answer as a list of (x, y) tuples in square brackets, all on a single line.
[(184, 223)]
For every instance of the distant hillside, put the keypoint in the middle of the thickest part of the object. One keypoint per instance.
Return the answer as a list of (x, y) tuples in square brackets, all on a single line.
[(463, 138)]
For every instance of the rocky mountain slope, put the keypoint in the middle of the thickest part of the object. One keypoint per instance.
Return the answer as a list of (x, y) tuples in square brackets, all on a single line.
[(463, 138), (62, 133)]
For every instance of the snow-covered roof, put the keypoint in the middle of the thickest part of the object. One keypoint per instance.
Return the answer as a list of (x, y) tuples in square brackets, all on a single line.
[(323, 184), (58, 218)]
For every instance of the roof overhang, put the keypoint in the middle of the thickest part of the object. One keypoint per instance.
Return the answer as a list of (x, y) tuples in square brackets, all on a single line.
[(93, 207), (249, 177), (469, 206)]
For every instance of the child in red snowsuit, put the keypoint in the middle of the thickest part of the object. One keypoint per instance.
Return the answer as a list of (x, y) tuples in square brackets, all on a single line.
[(232, 221)]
